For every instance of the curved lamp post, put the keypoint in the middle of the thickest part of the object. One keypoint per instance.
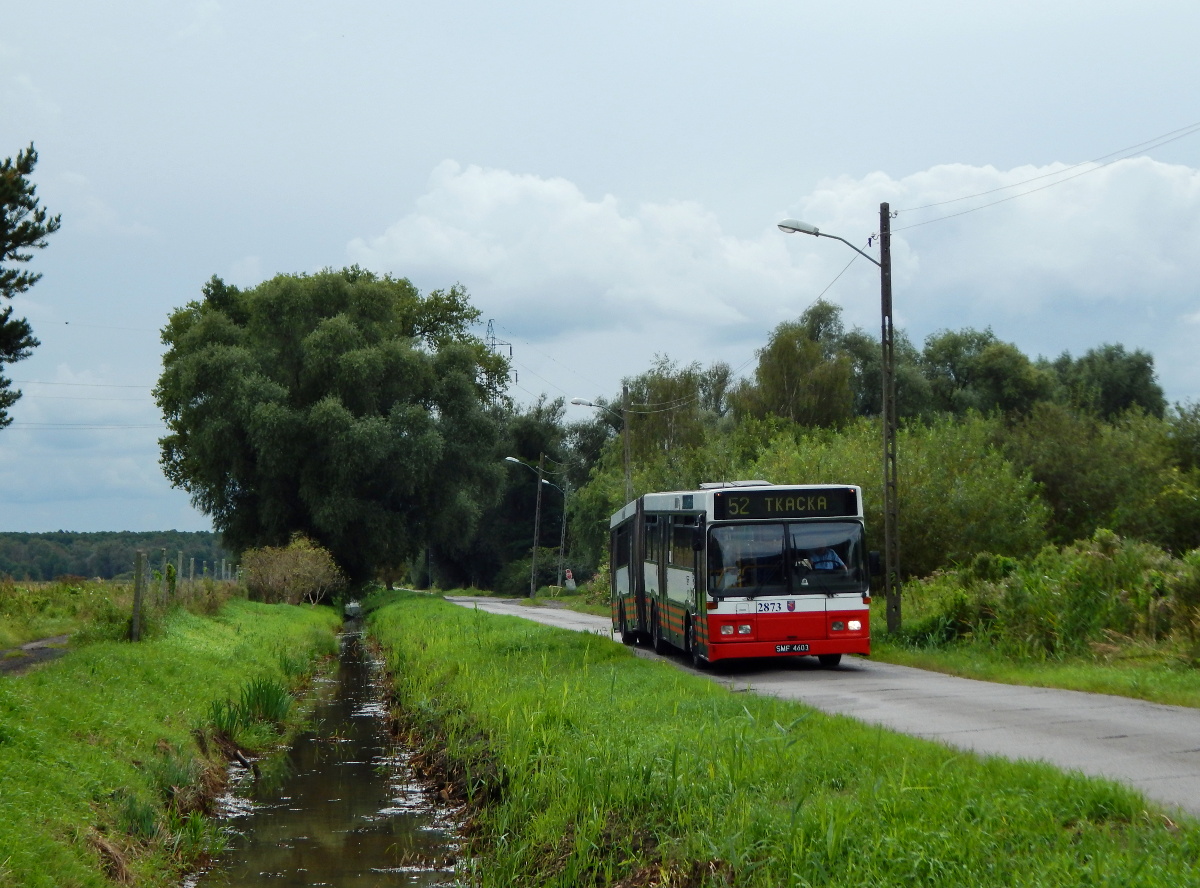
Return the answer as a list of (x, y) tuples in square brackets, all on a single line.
[(537, 516), (624, 417), (891, 532), (562, 535)]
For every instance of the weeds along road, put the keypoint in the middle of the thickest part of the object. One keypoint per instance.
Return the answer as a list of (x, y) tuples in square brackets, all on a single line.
[(1152, 747)]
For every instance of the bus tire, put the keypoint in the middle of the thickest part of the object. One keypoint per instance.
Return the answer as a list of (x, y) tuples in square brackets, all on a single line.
[(693, 650), (829, 661), (656, 636), (627, 637)]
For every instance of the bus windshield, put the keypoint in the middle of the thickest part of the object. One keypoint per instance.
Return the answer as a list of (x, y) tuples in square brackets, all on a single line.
[(791, 558)]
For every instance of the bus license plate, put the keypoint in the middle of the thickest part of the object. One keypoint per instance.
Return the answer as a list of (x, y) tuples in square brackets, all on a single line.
[(791, 649)]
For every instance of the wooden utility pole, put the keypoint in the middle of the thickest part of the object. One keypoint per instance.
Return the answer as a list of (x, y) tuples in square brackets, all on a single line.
[(625, 441), (891, 511), (537, 527)]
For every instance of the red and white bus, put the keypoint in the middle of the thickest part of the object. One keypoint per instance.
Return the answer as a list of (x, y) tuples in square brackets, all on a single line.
[(744, 569)]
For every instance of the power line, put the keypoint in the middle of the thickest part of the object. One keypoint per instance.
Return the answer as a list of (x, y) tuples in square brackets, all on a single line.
[(69, 426), (1125, 154), (81, 398), (87, 384)]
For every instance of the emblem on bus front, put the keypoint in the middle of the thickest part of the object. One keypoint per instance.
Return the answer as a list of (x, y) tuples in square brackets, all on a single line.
[(791, 605)]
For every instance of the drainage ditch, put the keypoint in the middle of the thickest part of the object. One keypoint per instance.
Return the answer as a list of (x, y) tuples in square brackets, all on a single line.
[(344, 806)]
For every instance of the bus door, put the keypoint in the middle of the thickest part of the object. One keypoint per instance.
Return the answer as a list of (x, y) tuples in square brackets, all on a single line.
[(680, 573), (652, 579), (621, 559)]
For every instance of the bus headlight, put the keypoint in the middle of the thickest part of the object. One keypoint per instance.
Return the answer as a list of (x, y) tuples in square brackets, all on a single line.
[(837, 625), (744, 629), (855, 625), (726, 629)]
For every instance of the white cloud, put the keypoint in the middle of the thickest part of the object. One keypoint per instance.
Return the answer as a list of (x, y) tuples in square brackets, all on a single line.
[(246, 272), (91, 212), (1107, 256), (202, 21)]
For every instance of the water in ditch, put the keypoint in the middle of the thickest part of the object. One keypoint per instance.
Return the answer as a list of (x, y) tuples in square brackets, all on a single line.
[(349, 811)]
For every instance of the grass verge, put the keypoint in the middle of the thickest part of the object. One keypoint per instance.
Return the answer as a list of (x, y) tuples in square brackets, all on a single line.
[(108, 756), (589, 766), (1143, 671)]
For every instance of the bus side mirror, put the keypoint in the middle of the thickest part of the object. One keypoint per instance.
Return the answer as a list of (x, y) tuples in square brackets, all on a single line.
[(698, 536), (875, 564)]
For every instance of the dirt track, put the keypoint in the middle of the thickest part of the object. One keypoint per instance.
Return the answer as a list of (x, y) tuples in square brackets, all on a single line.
[(16, 660)]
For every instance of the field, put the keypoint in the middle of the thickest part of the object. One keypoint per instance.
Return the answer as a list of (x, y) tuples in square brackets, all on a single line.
[(590, 766), (94, 608)]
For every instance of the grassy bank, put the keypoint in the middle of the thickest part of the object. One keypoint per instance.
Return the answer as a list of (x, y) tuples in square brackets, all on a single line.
[(591, 766), (109, 755), (1146, 671)]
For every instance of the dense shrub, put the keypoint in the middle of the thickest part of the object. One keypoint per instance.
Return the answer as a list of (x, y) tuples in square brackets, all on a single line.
[(513, 578), (301, 571), (958, 494), (1066, 600)]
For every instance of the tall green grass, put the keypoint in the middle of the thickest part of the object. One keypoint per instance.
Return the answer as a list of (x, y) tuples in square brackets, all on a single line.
[(100, 769), (589, 766), (95, 610)]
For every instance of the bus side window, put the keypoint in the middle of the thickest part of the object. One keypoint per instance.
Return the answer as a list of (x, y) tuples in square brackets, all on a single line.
[(621, 546), (653, 539), (682, 532)]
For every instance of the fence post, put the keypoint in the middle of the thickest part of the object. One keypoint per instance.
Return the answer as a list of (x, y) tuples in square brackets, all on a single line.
[(162, 581), (178, 573), (139, 582), (192, 577)]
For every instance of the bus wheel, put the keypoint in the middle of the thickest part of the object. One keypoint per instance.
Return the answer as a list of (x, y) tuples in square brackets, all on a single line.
[(656, 637), (829, 661), (627, 637), (697, 661)]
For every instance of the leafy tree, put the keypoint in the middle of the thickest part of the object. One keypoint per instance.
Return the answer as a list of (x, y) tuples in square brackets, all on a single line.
[(505, 532), (24, 226), (973, 370), (1184, 435), (1110, 381), (340, 405), (802, 374), (665, 413), (913, 392)]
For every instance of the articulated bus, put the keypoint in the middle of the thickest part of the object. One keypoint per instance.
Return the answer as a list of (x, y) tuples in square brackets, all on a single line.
[(744, 569)]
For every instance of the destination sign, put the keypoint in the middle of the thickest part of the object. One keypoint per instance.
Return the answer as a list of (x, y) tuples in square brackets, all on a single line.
[(811, 502)]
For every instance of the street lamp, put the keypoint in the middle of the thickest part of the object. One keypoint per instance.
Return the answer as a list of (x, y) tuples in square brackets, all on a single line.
[(562, 536), (891, 531), (624, 417), (537, 517)]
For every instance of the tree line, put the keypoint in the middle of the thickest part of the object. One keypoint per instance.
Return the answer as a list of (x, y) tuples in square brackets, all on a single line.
[(365, 415), (107, 555)]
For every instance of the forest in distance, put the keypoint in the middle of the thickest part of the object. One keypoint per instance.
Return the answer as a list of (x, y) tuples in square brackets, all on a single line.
[(41, 557)]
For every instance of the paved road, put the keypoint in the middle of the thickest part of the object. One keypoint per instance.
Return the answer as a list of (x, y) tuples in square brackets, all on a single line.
[(1152, 747)]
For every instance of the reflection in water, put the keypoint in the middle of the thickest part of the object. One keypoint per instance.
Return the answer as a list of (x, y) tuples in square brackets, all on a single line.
[(347, 810)]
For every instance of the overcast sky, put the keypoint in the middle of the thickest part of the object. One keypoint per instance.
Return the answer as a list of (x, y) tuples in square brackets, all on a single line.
[(605, 179)]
